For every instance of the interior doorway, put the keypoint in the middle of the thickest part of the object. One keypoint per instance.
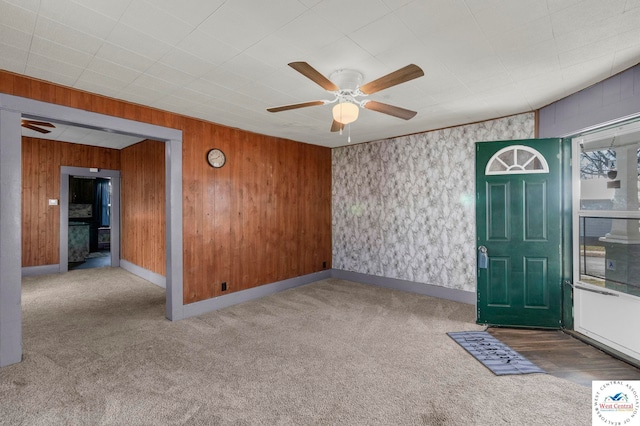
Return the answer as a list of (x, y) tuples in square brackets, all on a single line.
[(89, 215), (85, 215), (12, 110)]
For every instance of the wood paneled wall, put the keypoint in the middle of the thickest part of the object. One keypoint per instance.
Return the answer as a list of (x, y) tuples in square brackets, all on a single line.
[(41, 161), (142, 199), (263, 217)]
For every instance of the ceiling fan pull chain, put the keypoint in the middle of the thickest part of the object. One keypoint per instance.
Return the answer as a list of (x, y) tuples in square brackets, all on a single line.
[(349, 137)]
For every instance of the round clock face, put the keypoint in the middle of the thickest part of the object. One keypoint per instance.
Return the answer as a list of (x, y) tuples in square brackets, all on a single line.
[(216, 158)]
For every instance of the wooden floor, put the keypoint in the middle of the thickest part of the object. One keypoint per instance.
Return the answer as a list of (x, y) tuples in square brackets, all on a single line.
[(564, 356)]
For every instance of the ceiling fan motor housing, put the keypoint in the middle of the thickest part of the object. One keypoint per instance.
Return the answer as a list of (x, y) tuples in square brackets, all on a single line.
[(346, 80)]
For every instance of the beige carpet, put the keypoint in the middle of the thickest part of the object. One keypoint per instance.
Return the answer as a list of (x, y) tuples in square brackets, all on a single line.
[(98, 351)]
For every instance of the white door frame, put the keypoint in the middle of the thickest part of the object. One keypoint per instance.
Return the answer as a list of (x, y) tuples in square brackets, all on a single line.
[(12, 108), (598, 312)]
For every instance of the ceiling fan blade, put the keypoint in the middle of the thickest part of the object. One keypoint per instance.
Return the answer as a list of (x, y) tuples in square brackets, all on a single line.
[(405, 114), (336, 126), (37, 129), (312, 74), (295, 106), (400, 76), (38, 123)]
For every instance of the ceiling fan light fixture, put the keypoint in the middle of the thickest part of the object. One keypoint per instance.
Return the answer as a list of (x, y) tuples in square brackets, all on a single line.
[(345, 112), (344, 85)]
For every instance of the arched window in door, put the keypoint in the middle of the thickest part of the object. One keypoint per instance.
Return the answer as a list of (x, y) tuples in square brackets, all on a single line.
[(516, 159)]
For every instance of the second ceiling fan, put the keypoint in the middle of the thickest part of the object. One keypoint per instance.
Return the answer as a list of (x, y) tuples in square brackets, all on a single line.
[(346, 88), (36, 125)]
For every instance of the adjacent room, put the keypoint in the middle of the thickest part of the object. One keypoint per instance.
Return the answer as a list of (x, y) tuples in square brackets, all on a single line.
[(89, 232), (236, 212)]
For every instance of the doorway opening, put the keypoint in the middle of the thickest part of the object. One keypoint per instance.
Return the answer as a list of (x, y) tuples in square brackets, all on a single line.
[(89, 218), (12, 110), (89, 213)]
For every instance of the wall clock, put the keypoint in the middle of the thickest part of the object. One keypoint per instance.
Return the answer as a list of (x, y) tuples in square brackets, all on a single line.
[(216, 158)]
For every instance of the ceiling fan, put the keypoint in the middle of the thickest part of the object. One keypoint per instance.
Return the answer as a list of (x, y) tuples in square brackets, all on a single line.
[(346, 87), (36, 125)]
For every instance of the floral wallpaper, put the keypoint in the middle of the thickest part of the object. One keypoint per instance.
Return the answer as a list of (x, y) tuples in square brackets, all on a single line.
[(404, 208)]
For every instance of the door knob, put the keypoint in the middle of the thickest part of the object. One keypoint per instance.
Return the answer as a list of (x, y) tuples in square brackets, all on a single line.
[(483, 257)]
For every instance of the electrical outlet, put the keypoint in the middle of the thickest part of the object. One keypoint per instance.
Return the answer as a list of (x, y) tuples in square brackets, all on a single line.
[(224, 286)]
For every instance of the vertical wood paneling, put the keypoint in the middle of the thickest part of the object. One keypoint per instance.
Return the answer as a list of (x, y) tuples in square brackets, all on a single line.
[(238, 272), (265, 216), (220, 218), (143, 205), (251, 182), (193, 207), (29, 222), (280, 221), (41, 162)]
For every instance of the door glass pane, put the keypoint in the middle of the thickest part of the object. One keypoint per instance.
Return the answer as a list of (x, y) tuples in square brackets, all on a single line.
[(507, 157), (609, 178), (610, 253), (524, 156)]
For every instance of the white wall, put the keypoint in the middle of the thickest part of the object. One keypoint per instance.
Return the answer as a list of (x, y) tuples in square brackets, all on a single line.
[(404, 208)]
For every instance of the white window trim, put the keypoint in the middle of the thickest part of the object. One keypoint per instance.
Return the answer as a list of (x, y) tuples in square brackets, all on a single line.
[(516, 169)]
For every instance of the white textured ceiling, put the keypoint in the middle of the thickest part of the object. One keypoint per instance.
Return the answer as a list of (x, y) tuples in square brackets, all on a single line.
[(226, 61)]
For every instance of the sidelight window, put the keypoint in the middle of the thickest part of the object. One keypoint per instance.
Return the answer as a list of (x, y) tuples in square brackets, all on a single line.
[(609, 209)]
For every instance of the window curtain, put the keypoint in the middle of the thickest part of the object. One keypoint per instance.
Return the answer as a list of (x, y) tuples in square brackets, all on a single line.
[(102, 202)]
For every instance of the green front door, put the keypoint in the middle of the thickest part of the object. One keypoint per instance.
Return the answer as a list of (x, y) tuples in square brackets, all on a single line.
[(519, 222)]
